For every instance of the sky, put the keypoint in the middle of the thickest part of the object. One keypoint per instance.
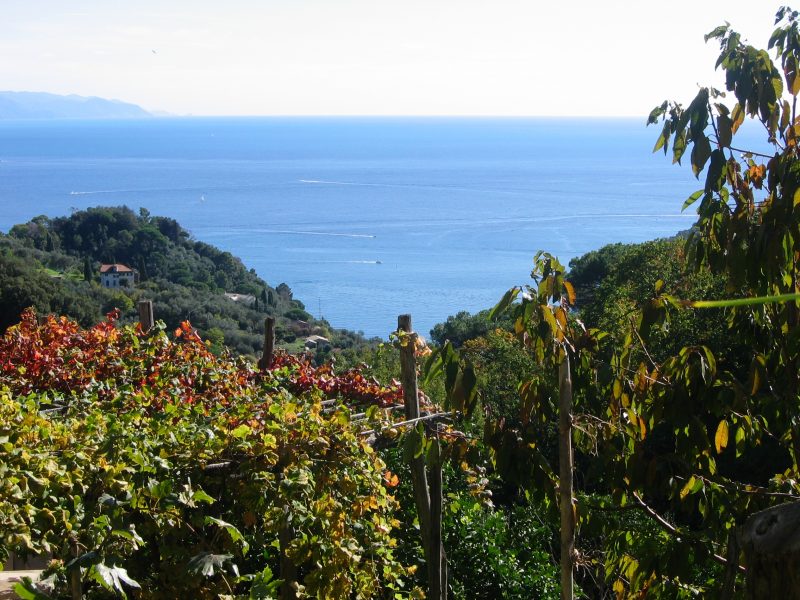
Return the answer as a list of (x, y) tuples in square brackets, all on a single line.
[(373, 57)]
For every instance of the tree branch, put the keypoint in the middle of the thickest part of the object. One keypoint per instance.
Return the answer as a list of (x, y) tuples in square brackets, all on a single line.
[(667, 526)]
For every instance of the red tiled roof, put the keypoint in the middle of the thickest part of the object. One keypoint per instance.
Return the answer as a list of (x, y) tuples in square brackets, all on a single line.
[(115, 268)]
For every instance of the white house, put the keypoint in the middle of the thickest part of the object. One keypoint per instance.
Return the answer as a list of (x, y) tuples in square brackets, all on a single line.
[(314, 341), (246, 299), (116, 276)]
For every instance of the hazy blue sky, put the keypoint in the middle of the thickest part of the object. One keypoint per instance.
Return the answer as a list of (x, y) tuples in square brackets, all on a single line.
[(443, 57)]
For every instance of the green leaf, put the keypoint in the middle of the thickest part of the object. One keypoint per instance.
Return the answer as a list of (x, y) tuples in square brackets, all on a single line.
[(692, 486), (201, 496), (235, 534), (26, 590), (678, 147), (84, 560), (714, 177), (506, 301), (129, 535), (662, 140), (701, 151), (657, 112), (710, 361), (413, 445), (725, 129), (112, 578), (740, 438), (432, 366), (692, 199), (264, 586), (717, 32), (241, 432)]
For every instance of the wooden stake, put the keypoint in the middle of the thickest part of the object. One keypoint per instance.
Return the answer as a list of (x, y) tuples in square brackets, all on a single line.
[(146, 315), (408, 368), (75, 579), (565, 477), (438, 579), (429, 510), (419, 479), (288, 570), (269, 344)]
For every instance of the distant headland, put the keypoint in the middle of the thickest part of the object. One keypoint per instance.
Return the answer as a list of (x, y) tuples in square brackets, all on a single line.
[(40, 105)]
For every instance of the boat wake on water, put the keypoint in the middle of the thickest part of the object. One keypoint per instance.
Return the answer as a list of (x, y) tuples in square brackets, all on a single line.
[(328, 233), (133, 191), (412, 186)]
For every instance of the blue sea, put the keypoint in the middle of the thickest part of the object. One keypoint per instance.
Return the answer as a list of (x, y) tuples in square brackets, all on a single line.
[(365, 218)]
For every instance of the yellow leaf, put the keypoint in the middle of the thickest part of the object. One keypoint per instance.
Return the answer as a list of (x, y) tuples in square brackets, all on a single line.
[(547, 315), (688, 487), (519, 325), (570, 292), (561, 317), (737, 117), (721, 438)]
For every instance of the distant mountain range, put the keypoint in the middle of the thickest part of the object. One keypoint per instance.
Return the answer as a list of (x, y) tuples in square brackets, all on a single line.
[(39, 105)]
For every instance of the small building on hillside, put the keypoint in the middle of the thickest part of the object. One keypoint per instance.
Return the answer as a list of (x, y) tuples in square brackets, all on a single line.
[(117, 276), (246, 299), (316, 341)]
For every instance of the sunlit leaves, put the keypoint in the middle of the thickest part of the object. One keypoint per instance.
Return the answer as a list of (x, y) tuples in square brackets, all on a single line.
[(692, 486), (124, 442)]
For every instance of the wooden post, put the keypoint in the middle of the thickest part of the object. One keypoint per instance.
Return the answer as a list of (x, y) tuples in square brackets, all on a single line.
[(288, 570), (429, 524), (269, 344), (75, 579), (771, 544), (438, 581), (408, 369), (146, 315), (565, 477)]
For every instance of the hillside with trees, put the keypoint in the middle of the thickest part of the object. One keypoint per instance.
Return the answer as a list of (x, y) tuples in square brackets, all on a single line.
[(53, 265)]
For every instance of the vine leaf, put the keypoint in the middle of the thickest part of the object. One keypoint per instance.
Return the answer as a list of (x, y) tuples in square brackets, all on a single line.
[(112, 578), (235, 534), (207, 563)]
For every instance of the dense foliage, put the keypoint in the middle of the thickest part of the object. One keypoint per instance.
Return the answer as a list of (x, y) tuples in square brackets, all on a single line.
[(685, 419), (146, 462)]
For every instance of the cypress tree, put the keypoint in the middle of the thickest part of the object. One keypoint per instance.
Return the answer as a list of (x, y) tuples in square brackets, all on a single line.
[(88, 272)]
